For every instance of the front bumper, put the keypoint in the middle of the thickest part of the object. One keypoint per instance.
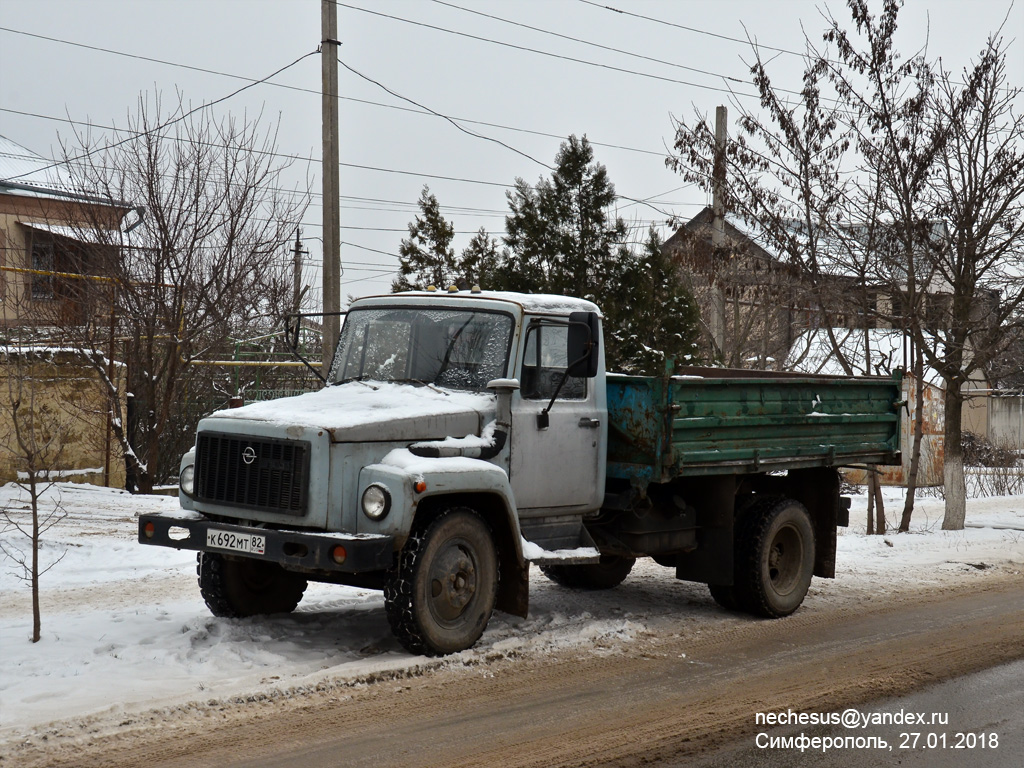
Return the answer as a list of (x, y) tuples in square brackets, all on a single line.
[(301, 550)]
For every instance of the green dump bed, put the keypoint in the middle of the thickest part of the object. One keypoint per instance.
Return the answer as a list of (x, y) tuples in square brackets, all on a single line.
[(705, 421)]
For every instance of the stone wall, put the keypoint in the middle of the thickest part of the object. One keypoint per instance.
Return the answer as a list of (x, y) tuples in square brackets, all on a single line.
[(69, 417)]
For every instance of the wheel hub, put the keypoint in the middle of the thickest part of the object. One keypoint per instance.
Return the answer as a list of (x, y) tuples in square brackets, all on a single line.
[(453, 583), (784, 560)]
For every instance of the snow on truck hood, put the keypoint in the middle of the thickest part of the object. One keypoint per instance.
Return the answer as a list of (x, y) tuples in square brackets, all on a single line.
[(376, 411)]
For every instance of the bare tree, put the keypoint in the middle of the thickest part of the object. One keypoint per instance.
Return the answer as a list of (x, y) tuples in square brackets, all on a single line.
[(979, 193), (199, 256), (33, 435), (889, 179)]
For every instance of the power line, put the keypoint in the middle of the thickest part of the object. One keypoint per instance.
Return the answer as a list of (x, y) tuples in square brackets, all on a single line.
[(593, 44), (562, 57), (152, 60), (445, 117), (686, 28), (314, 92), (282, 155), (646, 202), (170, 122)]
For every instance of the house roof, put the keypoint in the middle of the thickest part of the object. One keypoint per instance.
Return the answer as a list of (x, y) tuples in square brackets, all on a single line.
[(735, 230), (843, 252), (23, 172)]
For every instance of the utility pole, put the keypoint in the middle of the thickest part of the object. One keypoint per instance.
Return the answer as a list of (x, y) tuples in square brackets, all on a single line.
[(332, 202), (297, 272), (718, 233)]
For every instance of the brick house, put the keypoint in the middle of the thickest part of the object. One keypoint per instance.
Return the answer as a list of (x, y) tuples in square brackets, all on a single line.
[(54, 238)]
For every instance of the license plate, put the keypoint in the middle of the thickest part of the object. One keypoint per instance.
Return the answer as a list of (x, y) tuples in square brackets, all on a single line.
[(236, 542)]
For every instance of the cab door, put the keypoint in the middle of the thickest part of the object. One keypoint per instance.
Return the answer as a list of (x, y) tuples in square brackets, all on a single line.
[(557, 468)]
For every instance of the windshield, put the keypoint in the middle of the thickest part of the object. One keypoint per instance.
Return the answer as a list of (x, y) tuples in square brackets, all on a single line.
[(461, 349)]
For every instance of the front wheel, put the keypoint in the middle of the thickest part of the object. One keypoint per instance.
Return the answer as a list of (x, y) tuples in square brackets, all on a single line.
[(775, 559), (441, 596), (236, 587)]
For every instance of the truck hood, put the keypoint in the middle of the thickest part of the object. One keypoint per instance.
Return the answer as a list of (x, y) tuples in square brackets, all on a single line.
[(376, 412)]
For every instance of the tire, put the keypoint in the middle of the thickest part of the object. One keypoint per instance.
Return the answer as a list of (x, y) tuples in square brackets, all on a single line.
[(441, 596), (774, 558), (238, 587), (726, 597), (609, 572), (736, 598)]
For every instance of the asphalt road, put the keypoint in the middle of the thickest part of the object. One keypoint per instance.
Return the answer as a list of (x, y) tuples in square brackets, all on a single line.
[(980, 725)]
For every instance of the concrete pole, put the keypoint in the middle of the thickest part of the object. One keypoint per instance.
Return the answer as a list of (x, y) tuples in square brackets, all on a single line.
[(331, 180), (718, 233), (297, 273)]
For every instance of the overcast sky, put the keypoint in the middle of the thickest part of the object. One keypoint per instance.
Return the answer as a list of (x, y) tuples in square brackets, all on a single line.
[(529, 88)]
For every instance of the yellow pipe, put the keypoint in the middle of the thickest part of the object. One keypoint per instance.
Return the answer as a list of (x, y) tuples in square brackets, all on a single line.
[(70, 275), (253, 363), (77, 276)]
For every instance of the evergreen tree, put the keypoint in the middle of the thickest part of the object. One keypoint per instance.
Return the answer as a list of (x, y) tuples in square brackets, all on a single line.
[(478, 262), (659, 317), (560, 237), (426, 256)]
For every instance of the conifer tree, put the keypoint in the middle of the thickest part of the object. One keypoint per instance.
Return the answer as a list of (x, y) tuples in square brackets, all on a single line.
[(562, 239), (659, 318), (427, 256), (478, 261), (560, 236)]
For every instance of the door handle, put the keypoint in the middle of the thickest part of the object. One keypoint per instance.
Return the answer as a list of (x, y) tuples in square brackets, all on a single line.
[(588, 423)]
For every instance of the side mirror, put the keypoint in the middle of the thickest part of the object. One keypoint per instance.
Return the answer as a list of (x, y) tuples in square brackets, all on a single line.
[(583, 342)]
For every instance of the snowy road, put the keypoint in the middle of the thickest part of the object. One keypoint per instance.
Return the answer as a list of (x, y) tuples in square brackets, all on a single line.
[(657, 700), (128, 645)]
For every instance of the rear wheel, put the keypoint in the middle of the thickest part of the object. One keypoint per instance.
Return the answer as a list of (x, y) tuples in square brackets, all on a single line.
[(441, 596), (726, 597), (238, 587), (774, 558), (609, 572)]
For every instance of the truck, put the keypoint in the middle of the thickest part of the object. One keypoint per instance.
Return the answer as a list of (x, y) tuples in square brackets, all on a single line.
[(463, 435)]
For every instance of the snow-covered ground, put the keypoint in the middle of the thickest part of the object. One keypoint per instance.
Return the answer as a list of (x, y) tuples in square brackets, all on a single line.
[(124, 628)]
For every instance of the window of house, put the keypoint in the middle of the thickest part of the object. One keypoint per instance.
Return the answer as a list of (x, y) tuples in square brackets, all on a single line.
[(42, 262)]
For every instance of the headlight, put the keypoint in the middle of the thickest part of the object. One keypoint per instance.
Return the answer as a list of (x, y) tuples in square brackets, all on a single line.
[(376, 502), (187, 479)]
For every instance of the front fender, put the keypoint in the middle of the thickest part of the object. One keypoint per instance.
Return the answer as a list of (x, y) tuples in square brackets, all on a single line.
[(410, 480), (415, 481)]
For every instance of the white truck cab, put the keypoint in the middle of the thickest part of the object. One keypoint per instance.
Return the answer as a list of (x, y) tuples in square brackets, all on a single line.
[(437, 405)]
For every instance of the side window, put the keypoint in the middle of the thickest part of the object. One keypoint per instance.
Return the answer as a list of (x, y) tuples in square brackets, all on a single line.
[(544, 365)]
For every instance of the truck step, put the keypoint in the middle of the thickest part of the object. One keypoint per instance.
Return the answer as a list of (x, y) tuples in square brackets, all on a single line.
[(540, 556)]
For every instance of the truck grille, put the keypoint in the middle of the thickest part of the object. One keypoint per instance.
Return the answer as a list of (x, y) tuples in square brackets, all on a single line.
[(257, 473)]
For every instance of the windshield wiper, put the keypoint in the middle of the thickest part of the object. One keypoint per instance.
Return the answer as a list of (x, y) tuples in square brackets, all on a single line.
[(451, 347), (358, 379), (429, 385)]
